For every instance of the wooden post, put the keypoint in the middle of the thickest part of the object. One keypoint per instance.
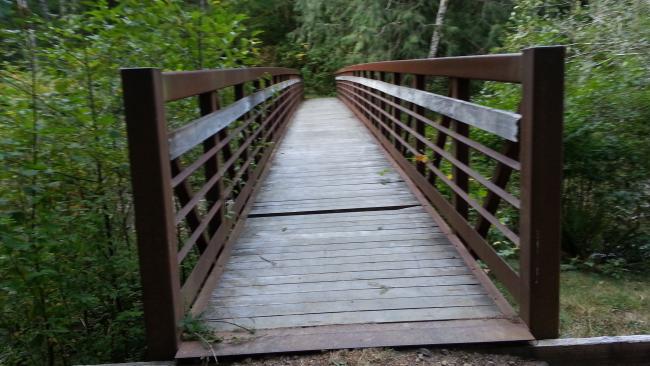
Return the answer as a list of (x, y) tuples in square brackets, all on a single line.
[(420, 83), (208, 103), (460, 90), (397, 113), (541, 177), (152, 193)]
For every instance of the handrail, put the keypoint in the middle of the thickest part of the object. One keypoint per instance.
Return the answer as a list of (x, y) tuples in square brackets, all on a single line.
[(504, 67), (170, 212), (400, 117)]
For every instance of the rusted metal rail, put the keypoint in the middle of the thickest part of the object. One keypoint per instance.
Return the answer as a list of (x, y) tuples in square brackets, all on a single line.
[(407, 120), (191, 185)]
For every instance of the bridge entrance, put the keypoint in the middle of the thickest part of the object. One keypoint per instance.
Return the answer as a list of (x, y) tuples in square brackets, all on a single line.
[(287, 225)]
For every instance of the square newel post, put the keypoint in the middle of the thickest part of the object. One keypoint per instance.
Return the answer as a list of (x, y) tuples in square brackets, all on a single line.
[(152, 193), (541, 181)]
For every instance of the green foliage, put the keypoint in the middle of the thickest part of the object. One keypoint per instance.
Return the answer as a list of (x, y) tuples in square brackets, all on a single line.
[(606, 195), (335, 33), (69, 289)]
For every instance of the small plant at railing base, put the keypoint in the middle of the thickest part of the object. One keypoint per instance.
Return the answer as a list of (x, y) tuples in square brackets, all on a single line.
[(194, 329), (506, 249), (384, 171), (230, 213)]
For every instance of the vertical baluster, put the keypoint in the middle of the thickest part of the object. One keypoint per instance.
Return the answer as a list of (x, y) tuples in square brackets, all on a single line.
[(419, 83), (397, 113), (239, 94), (460, 90), (208, 103)]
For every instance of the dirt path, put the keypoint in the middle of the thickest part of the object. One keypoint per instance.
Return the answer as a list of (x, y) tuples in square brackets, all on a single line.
[(386, 357)]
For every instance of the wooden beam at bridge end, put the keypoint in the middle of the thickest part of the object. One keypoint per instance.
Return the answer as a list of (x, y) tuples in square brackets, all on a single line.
[(154, 219), (541, 176)]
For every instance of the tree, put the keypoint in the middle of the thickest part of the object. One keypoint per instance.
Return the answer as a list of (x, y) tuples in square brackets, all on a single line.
[(437, 28)]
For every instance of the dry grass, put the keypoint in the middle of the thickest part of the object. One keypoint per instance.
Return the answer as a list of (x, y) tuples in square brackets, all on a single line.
[(386, 357), (596, 305)]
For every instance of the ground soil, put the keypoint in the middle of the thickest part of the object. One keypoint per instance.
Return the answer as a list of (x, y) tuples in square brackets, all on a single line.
[(386, 357)]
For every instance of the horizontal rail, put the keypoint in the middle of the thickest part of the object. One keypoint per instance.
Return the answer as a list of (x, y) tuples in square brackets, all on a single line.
[(504, 67), (185, 138), (509, 162), (498, 122), (183, 84)]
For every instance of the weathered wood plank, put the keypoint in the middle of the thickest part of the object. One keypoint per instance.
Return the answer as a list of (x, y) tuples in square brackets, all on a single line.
[(343, 260), (385, 284), (356, 317), (280, 232), (362, 335), (357, 294), (343, 267), (345, 246), (348, 305), (378, 236), (239, 281), (252, 255)]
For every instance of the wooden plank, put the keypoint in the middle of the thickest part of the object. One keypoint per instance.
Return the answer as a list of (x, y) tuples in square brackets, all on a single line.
[(251, 255), (342, 216), (356, 294), (361, 204), (348, 306), (501, 123), (346, 246), (355, 317), (345, 285), (304, 195), (379, 237), (351, 232), (235, 281), (336, 268), (343, 260), (360, 336), (185, 138), (262, 226), (284, 232), (332, 182), (275, 174)]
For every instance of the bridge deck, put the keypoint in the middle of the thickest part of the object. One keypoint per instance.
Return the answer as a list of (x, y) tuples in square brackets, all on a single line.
[(339, 251)]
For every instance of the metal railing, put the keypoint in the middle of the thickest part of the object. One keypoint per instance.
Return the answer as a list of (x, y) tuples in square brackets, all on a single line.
[(192, 185), (433, 139)]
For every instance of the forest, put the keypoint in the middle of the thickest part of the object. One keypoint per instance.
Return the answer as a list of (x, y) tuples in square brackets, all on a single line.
[(69, 281)]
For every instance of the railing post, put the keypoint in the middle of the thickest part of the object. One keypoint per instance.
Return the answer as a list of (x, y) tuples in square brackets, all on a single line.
[(420, 83), (152, 193), (541, 175), (209, 103), (460, 90)]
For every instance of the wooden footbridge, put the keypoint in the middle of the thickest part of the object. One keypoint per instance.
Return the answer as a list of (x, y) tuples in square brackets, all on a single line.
[(372, 219)]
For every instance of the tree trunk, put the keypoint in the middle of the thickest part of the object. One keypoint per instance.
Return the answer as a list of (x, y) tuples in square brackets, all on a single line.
[(437, 28)]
